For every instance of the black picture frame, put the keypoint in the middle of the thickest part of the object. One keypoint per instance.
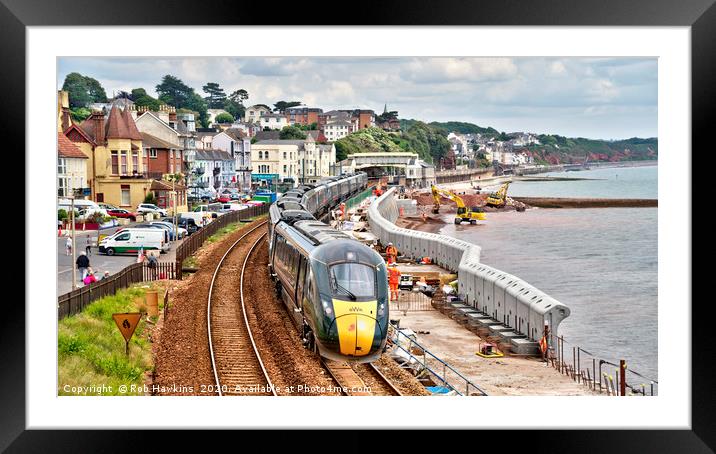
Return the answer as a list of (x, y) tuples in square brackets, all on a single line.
[(700, 15)]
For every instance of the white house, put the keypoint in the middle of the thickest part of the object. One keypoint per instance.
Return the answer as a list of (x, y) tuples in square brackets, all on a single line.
[(337, 130), (238, 145), (253, 113), (71, 167), (212, 113), (273, 121), (217, 168)]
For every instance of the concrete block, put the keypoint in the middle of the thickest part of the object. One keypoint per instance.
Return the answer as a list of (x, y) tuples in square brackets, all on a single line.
[(477, 318), (524, 346)]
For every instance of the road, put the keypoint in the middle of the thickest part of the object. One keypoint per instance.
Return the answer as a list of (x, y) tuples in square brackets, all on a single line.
[(98, 262)]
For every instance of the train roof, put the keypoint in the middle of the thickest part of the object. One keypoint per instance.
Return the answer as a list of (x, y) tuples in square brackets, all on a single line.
[(292, 216), (318, 232), (289, 204)]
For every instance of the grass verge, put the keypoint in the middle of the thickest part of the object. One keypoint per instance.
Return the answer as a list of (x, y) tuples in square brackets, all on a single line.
[(90, 348), (222, 232)]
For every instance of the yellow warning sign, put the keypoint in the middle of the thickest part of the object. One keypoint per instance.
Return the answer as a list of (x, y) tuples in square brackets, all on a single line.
[(127, 323)]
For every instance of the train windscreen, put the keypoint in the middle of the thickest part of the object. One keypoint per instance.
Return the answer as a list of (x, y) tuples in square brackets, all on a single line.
[(353, 280)]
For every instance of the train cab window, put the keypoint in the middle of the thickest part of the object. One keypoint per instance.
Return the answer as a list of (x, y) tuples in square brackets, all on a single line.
[(353, 280)]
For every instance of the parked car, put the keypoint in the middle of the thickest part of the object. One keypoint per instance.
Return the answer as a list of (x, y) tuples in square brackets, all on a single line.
[(150, 208), (87, 212), (107, 206), (223, 198), (181, 232), (122, 213), (185, 223), (235, 196)]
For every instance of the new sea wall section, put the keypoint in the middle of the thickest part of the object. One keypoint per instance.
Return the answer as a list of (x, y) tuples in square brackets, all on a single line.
[(499, 295)]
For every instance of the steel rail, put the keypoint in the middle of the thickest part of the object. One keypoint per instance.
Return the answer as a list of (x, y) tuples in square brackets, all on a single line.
[(208, 308)]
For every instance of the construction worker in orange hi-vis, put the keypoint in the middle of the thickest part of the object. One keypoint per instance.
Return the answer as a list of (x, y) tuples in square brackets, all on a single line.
[(393, 281), (391, 253)]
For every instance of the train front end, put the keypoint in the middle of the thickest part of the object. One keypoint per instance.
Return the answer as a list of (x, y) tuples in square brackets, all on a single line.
[(351, 301)]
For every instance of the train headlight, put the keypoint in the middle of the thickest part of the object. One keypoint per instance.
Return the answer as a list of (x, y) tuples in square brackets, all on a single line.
[(327, 307), (381, 309)]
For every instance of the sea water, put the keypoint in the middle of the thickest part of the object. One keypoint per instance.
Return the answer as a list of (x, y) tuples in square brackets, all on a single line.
[(600, 262)]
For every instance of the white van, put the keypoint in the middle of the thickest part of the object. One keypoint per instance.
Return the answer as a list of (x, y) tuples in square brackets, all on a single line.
[(226, 207), (80, 204), (132, 240)]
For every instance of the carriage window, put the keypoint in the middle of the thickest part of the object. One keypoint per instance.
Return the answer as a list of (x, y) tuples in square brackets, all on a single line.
[(353, 279)]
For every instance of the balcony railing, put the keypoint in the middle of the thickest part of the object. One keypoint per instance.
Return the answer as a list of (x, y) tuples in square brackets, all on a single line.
[(142, 175)]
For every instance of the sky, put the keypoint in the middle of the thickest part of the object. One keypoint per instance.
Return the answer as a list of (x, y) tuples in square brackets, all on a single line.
[(600, 98)]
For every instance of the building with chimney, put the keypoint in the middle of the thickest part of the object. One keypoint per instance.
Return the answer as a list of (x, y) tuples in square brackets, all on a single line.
[(116, 169)]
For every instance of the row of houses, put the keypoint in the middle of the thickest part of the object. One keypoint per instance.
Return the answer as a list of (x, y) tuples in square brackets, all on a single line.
[(334, 124), (120, 154), (507, 152)]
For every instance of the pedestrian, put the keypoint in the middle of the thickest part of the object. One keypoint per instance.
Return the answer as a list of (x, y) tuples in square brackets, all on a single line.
[(88, 246), (83, 264), (391, 253), (68, 246), (90, 277), (106, 275), (393, 281)]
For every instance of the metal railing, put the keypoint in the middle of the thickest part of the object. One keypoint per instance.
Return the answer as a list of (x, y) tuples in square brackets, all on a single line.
[(411, 301), (598, 374), (430, 364)]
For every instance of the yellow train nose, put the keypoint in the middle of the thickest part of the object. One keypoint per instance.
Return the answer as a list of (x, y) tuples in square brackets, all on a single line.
[(355, 323)]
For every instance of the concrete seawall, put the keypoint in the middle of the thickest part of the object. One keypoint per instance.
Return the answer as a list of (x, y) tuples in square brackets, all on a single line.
[(560, 202), (503, 298)]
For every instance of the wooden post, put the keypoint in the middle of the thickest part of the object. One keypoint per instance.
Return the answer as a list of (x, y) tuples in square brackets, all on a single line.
[(622, 377)]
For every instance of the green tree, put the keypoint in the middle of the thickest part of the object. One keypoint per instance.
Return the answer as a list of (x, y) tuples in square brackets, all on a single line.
[(224, 118), (83, 90), (142, 99), (239, 96), (281, 106), (292, 133), (174, 92), (342, 150), (197, 104), (216, 97), (80, 114)]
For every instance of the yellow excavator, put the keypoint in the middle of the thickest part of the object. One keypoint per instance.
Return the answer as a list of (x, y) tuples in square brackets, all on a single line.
[(472, 214), (498, 199)]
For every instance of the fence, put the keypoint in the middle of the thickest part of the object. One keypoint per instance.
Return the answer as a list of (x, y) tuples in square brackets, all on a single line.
[(594, 372), (358, 199), (411, 301), (426, 363), (195, 241), (75, 301)]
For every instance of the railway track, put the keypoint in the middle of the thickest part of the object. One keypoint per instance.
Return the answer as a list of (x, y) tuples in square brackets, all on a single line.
[(360, 380), (235, 360)]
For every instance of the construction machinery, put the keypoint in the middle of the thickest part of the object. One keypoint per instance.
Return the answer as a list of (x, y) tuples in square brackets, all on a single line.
[(472, 214), (498, 199)]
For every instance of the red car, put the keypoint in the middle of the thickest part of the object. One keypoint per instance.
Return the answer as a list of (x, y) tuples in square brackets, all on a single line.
[(120, 213), (224, 198)]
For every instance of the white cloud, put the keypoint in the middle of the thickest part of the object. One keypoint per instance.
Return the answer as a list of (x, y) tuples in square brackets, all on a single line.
[(558, 95)]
